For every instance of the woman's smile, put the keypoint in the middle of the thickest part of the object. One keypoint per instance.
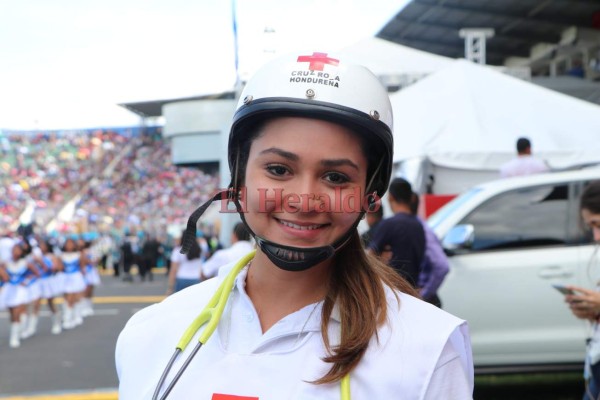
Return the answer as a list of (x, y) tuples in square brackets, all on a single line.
[(296, 170)]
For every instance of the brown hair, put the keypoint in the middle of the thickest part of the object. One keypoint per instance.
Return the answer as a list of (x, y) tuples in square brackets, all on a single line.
[(358, 285)]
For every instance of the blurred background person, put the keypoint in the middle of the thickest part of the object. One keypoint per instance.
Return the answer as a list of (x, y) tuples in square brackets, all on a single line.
[(435, 265), (402, 234), (185, 268), (240, 246), (585, 303), (524, 163), (373, 219)]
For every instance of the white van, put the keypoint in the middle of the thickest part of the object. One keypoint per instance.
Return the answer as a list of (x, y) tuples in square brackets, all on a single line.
[(508, 242)]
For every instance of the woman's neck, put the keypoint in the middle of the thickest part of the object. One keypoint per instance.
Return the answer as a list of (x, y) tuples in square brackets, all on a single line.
[(277, 293)]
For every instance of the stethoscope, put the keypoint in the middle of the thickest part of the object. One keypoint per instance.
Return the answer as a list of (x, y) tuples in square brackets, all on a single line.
[(210, 316)]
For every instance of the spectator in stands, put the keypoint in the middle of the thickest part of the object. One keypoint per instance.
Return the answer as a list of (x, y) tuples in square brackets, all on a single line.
[(525, 163), (403, 234), (240, 246)]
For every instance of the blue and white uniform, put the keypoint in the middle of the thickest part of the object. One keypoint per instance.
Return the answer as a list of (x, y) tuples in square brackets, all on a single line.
[(15, 292), (421, 353), (47, 286), (2, 301), (73, 279), (92, 276)]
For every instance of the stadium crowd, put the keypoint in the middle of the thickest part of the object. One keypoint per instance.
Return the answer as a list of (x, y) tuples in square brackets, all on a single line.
[(123, 196)]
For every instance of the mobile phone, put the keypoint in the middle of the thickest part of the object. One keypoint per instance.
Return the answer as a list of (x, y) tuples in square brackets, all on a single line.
[(563, 289)]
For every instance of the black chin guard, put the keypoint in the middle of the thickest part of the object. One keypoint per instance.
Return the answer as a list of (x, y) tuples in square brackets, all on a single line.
[(295, 259), (288, 258)]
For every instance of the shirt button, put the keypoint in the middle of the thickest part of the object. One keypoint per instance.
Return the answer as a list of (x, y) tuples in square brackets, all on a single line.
[(249, 317)]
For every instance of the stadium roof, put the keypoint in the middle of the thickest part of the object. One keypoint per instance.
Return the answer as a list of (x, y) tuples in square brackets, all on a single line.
[(433, 25), (153, 108)]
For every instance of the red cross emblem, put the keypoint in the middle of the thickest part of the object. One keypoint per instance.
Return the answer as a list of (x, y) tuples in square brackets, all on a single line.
[(318, 60)]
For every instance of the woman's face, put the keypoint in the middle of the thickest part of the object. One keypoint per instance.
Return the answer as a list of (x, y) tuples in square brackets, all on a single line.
[(593, 222), (17, 252), (70, 245), (305, 182)]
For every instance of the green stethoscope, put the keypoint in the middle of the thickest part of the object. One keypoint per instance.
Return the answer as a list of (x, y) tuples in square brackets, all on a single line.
[(210, 316)]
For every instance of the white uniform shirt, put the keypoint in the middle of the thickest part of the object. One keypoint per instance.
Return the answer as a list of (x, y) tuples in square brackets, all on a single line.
[(523, 165), (423, 353), (226, 256), (187, 269), (6, 246)]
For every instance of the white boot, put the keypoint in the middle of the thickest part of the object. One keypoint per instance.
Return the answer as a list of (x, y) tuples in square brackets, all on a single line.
[(90, 307), (86, 307), (23, 326), (15, 332), (31, 326), (56, 328), (77, 318), (68, 318)]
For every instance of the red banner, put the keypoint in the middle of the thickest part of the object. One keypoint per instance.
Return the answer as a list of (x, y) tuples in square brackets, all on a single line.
[(219, 396)]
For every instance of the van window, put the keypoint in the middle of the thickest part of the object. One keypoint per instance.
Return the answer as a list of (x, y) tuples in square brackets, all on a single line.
[(440, 215), (529, 217)]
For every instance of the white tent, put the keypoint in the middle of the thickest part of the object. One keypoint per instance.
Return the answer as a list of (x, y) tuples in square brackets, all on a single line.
[(383, 57), (465, 120)]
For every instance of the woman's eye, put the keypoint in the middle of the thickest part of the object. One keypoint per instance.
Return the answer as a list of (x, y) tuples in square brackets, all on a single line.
[(336, 178), (278, 170)]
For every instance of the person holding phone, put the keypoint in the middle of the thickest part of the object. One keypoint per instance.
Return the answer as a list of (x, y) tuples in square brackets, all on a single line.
[(585, 303)]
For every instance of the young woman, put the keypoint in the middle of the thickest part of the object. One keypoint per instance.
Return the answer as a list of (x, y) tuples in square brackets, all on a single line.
[(16, 295), (48, 265), (185, 268), (74, 283), (585, 303), (91, 276), (310, 315)]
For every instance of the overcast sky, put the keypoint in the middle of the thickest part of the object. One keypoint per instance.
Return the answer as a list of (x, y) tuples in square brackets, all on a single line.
[(67, 63)]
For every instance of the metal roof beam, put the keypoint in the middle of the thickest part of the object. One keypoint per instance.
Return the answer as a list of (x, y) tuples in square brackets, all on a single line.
[(555, 20), (528, 38), (453, 49)]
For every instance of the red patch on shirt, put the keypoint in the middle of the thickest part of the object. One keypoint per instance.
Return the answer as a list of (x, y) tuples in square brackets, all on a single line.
[(219, 396)]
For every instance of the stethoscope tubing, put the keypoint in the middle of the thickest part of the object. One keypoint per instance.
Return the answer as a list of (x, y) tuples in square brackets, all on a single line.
[(210, 315)]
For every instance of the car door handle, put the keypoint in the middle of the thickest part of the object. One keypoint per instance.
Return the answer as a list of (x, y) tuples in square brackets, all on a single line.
[(554, 272)]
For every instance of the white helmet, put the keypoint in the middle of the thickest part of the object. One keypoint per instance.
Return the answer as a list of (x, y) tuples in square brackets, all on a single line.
[(324, 87), (313, 86)]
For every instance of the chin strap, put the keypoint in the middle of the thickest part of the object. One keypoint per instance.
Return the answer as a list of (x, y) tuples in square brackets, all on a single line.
[(288, 258), (190, 231)]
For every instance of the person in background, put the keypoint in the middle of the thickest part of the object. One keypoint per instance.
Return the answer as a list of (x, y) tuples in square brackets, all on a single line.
[(585, 303), (373, 219), (7, 241), (435, 265), (185, 268), (402, 234), (74, 283), (15, 293), (525, 163), (151, 250), (240, 246), (91, 276)]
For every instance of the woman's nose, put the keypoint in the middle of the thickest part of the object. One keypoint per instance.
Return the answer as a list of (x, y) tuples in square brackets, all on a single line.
[(306, 196)]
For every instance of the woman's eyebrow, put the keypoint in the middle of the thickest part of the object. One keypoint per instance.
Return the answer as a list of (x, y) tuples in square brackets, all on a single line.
[(338, 163), (280, 152)]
